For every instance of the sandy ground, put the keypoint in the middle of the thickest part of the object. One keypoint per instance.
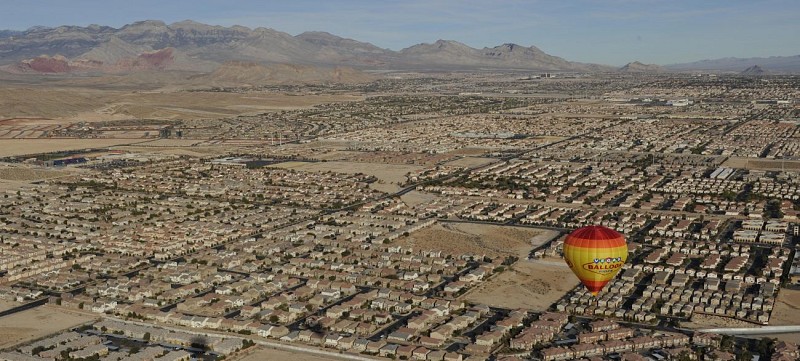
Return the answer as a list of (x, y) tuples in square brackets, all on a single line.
[(468, 151), (470, 162), (473, 238), (173, 142), (18, 176), (4, 305), (711, 321), (389, 175), (11, 185), (787, 308), (86, 104), (203, 151), (527, 284), (27, 174), (761, 164), (35, 323), (9, 147), (415, 198), (262, 353)]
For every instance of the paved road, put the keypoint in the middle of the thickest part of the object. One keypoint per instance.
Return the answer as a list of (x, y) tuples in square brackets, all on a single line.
[(764, 330), (270, 344)]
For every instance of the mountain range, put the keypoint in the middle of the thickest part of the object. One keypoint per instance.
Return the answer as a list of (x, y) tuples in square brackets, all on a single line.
[(637, 67), (193, 46), (773, 64), (196, 47)]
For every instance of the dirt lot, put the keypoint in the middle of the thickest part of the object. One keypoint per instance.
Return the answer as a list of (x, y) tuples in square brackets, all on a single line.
[(470, 162), (9, 147), (389, 175), (86, 104), (527, 284), (415, 197), (35, 323), (761, 164), (263, 353), (198, 151), (472, 238), (711, 321), (18, 177), (26, 174), (787, 308), (4, 305)]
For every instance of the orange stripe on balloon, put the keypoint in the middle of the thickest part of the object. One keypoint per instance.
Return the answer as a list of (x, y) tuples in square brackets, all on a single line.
[(596, 249), (590, 243), (596, 232)]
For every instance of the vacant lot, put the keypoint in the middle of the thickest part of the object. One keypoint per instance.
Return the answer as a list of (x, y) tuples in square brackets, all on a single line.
[(469, 162), (473, 238), (415, 198), (761, 164), (35, 323), (787, 307), (87, 104), (527, 284), (263, 353), (710, 321), (173, 143), (10, 147), (26, 174), (5, 305)]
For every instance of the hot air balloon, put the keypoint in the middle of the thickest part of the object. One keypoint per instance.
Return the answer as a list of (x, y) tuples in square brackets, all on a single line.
[(595, 254)]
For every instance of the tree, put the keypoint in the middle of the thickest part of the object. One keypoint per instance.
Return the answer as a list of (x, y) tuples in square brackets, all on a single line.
[(684, 356), (726, 343), (146, 336), (744, 355), (764, 347)]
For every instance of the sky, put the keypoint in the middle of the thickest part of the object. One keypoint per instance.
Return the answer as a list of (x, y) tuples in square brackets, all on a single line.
[(612, 32)]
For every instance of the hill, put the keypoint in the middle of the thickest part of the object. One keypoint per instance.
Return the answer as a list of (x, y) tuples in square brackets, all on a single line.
[(776, 64), (637, 67), (193, 46), (236, 73), (753, 70)]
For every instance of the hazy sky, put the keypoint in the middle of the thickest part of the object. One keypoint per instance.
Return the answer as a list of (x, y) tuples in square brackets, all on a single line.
[(601, 31)]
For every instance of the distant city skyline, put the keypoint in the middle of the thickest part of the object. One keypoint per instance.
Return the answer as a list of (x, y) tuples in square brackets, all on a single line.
[(612, 32)]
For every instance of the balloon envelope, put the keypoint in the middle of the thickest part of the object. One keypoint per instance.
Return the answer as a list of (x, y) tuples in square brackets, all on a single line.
[(595, 254)]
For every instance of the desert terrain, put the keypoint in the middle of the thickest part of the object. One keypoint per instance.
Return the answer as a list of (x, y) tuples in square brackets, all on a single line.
[(15, 173), (474, 238), (470, 162), (699, 320), (262, 353), (86, 104), (415, 197), (13, 176), (762, 164), (35, 323), (786, 308), (5, 305), (527, 284), (11, 147)]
